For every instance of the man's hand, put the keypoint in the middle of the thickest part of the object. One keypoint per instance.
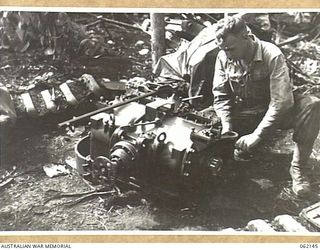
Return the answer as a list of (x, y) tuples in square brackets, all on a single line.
[(247, 142)]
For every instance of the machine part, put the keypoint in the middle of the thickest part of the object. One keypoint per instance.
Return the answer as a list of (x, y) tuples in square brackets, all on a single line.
[(82, 152), (230, 136), (162, 137), (186, 170), (104, 171), (48, 100), (124, 154), (116, 136), (215, 165), (91, 84), (144, 143), (114, 86), (312, 214), (162, 89), (68, 94), (156, 121), (157, 107), (27, 101)]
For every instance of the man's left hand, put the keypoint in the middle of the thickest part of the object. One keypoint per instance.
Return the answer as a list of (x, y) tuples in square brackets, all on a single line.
[(247, 142)]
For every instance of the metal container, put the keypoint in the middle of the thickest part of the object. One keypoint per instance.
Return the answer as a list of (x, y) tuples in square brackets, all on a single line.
[(82, 151)]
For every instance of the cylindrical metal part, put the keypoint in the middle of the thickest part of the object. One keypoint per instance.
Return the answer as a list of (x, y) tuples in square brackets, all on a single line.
[(160, 90)]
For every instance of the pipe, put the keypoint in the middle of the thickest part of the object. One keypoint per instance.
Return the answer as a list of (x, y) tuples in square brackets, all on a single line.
[(163, 88)]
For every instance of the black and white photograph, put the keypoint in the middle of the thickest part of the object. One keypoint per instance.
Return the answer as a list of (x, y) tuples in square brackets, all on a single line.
[(121, 120)]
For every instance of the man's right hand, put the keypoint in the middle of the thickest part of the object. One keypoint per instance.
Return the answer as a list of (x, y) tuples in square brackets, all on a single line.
[(247, 142)]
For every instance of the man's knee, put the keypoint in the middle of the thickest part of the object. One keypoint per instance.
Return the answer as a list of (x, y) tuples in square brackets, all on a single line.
[(307, 104), (314, 104), (307, 120)]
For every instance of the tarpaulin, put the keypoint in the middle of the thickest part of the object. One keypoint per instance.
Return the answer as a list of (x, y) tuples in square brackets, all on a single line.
[(192, 62)]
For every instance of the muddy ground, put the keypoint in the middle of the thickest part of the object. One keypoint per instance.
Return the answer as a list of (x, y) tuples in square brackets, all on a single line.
[(32, 201)]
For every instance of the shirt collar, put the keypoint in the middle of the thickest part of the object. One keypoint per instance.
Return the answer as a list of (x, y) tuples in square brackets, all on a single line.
[(258, 53)]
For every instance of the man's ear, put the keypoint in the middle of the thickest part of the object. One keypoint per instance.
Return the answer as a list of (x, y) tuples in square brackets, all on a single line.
[(245, 35)]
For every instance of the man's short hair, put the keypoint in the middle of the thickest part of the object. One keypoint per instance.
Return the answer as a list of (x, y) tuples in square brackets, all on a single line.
[(230, 25)]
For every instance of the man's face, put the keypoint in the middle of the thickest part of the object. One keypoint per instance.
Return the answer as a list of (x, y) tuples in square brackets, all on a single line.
[(235, 46)]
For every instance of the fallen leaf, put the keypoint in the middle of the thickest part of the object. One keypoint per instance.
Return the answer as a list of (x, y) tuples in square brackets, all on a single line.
[(143, 52), (263, 183), (70, 161)]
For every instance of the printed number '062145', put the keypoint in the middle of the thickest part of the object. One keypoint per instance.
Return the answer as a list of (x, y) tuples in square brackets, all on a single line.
[(308, 246)]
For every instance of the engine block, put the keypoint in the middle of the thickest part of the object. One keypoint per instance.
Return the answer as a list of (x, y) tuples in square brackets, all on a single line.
[(155, 143)]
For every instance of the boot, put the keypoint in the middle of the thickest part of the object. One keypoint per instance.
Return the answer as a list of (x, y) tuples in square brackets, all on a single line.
[(300, 182)]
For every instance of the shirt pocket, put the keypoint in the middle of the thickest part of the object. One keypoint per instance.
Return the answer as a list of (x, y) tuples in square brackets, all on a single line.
[(259, 74), (259, 82)]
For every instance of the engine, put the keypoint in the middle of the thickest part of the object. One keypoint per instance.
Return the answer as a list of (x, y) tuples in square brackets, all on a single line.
[(154, 141)]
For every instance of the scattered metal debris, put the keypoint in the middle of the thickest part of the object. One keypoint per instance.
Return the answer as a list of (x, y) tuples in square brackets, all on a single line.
[(312, 214), (53, 170)]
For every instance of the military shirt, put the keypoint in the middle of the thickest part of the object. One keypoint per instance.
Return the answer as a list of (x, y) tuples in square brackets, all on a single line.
[(264, 82)]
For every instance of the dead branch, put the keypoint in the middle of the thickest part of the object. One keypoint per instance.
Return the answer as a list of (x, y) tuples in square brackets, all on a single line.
[(297, 68), (88, 197), (67, 195), (6, 182), (118, 23), (293, 39), (9, 174)]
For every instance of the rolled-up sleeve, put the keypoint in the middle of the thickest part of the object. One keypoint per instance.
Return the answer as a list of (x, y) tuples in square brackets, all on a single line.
[(281, 96), (221, 91)]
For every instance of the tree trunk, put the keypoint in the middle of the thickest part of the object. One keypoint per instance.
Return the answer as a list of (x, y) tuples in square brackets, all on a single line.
[(157, 37)]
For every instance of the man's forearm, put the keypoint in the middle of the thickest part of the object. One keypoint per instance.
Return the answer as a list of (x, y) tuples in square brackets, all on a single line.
[(226, 126)]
